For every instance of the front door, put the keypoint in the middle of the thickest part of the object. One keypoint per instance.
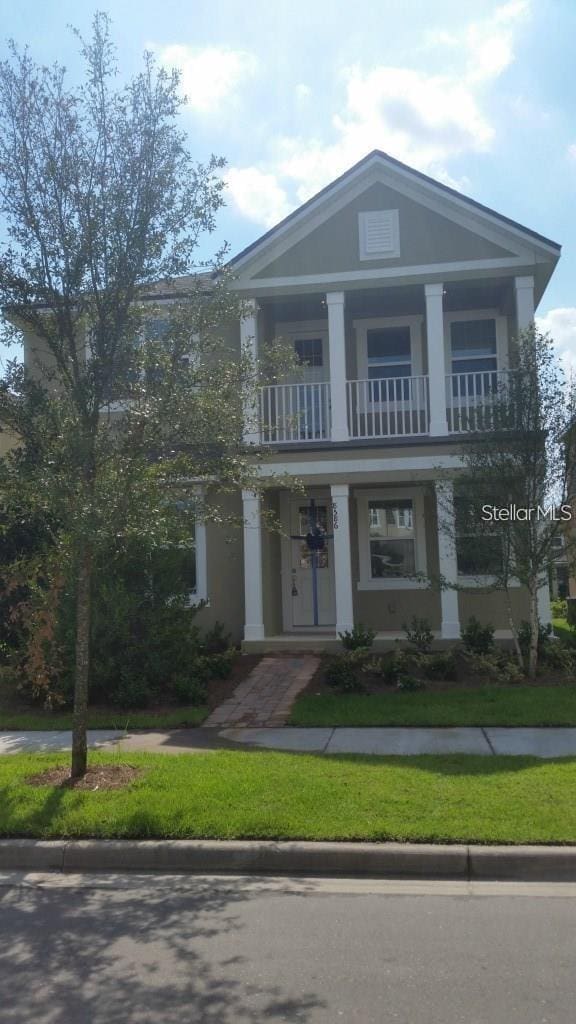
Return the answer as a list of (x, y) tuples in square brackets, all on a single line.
[(310, 593)]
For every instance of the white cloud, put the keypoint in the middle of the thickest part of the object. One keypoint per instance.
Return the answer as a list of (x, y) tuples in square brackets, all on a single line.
[(572, 152), (303, 92), (257, 195), (423, 118), (210, 75), (560, 323)]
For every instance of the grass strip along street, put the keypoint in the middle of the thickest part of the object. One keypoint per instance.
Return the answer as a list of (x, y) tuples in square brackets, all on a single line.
[(267, 795)]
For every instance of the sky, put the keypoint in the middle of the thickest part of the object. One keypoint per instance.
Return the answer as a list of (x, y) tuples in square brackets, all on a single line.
[(480, 95)]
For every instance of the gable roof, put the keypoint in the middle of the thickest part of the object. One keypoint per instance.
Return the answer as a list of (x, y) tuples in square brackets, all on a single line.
[(377, 156)]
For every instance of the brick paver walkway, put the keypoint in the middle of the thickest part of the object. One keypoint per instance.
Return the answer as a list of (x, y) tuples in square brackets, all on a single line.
[(265, 697)]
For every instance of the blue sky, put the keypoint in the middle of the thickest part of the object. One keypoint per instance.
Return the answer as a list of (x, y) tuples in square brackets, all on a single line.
[(479, 94)]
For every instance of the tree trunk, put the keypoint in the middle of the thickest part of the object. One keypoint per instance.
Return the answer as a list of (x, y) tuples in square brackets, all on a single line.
[(513, 630), (534, 624), (83, 609)]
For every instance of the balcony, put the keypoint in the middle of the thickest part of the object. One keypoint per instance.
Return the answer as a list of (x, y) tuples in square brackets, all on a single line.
[(389, 408), (393, 407), (474, 400)]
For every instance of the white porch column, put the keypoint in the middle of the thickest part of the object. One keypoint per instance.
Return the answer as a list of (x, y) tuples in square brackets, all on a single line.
[(253, 599), (342, 557), (337, 359), (524, 291), (436, 359), (249, 345), (447, 558)]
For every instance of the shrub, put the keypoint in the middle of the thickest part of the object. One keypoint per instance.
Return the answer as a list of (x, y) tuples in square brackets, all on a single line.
[(343, 672), (189, 689), (131, 690), (438, 666), (499, 666), (559, 608), (410, 684), (545, 639), (216, 640), (419, 634), (476, 638), (219, 666), (357, 638), (560, 657)]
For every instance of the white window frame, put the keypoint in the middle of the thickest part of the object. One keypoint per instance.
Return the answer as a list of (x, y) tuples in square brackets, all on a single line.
[(366, 581), (200, 594), (502, 361), (415, 323), (301, 330), (479, 581), (383, 254)]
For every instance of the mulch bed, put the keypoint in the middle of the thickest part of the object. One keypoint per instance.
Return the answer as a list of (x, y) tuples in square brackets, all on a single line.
[(109, 776), (375, 685)]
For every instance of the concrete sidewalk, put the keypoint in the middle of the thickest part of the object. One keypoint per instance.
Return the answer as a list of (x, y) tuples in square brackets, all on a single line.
[(538, 742)]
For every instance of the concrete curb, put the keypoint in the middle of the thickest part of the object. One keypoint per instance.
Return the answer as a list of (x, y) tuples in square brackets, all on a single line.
[(370, 860)]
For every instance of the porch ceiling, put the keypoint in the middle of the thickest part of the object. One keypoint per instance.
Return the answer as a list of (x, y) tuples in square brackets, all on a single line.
[(493, 293)]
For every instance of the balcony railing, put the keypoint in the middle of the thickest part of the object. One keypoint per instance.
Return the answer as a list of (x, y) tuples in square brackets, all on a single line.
[(295, 412), (476, 401), (391, 407)]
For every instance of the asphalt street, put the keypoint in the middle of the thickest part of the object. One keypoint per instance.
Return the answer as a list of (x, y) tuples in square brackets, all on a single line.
[(110, 949)]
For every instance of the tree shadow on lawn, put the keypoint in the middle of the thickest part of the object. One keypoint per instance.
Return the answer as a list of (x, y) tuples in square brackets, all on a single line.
[(122, 955)]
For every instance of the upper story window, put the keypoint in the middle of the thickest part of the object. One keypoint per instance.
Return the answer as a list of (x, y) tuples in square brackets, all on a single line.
[(473, 346), (389, 355), (309, 351), (378, 234)]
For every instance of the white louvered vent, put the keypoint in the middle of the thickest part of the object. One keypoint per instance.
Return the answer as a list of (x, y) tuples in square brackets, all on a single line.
[(379, 236)]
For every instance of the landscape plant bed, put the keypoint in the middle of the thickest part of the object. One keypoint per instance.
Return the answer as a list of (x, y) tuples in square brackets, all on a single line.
[(16, 714), (279, 796), (517, 705)]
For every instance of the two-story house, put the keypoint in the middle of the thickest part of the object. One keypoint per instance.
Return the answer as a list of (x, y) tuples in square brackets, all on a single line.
[(400, 297)]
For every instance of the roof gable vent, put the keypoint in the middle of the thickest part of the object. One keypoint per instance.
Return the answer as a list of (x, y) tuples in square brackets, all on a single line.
[(379, 236)]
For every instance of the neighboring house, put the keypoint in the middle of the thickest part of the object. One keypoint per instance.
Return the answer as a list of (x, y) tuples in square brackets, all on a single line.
[(399, 297)]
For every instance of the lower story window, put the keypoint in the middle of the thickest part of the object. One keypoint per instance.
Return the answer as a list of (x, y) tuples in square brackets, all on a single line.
[(179, 571), (479, 550), (391, 538)]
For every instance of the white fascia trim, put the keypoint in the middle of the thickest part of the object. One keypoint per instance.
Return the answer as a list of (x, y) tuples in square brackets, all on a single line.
[(354, 466), (383, 273)]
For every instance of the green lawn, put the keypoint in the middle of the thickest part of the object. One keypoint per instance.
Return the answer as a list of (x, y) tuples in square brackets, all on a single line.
[(487, 705), (564, 631), (105, 719), (265, 795)]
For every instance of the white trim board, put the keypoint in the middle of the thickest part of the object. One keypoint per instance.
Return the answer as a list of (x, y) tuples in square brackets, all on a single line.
[(354, 467), (426, 271)]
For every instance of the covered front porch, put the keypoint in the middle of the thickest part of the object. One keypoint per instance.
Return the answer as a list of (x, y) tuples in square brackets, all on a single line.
[(366, 541), (361, 551)]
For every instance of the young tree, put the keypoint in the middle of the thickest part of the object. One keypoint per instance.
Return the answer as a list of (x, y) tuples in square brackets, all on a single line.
[(102, 201), (516, 487)]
